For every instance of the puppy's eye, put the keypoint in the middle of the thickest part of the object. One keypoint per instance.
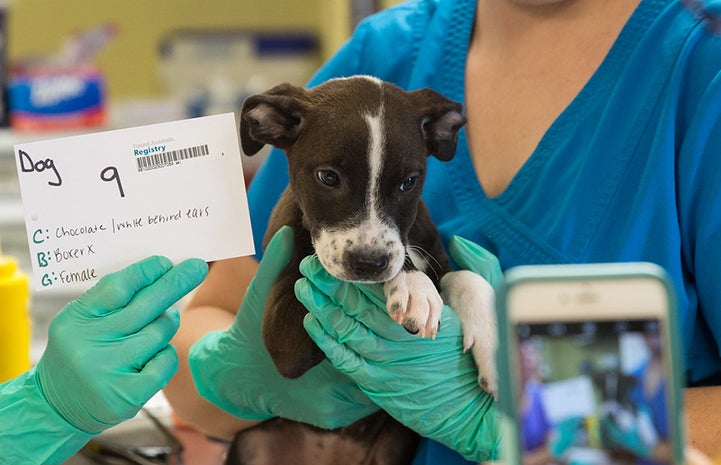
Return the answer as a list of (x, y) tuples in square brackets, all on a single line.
[(328, 177), (409, 183)]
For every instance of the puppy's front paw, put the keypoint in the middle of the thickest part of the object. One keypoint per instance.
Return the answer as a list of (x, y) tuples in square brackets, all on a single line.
[(473, 300), (413, 301)]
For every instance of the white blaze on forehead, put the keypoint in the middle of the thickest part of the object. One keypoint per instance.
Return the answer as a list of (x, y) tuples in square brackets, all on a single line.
[(373, 233), (375, 164)]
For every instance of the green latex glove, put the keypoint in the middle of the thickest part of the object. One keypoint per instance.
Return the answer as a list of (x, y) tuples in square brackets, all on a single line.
[(628, 440), (563, 435), (107, 354), (233, 370), (473, 257), (429, 385), (31, 430)]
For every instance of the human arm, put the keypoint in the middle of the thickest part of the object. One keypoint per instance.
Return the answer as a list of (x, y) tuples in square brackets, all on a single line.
[(107, 354), (212, 307), (702, 405)]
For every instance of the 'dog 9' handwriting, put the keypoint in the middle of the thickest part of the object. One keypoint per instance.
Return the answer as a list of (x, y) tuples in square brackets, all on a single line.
[(28, 165)]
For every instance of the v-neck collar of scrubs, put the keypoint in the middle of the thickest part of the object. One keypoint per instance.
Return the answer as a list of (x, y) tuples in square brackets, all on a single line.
[(460, 171), (593, 91)]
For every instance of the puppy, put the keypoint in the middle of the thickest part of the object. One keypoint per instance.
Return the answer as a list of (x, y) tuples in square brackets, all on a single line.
[(357, 150)]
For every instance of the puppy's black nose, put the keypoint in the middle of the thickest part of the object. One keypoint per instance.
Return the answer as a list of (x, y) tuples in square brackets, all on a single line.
[(368, 265)]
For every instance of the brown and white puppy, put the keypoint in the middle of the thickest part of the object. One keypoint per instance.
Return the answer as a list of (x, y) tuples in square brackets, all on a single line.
[(357, 150)]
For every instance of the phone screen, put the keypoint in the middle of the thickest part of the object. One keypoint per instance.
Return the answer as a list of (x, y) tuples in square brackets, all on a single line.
[(592, 392)]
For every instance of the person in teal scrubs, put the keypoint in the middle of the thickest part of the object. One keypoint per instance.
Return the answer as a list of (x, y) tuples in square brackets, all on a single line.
[(593, 135)]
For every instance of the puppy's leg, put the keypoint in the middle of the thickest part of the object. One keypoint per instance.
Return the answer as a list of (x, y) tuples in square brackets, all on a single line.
[(292, 350), (473, 300), (412, 297), (413, 301)]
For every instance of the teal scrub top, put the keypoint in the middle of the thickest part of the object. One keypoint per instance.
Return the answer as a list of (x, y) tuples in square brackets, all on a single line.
[(630, 171)]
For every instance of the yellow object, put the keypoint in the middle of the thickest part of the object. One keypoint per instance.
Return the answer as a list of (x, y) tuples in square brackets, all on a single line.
[(14, 320), (594, 431)]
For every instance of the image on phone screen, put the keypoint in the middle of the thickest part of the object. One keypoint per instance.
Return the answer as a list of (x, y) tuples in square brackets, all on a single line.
[(592, 392)]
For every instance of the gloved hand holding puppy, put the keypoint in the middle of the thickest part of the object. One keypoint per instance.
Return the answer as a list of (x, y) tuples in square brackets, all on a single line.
[(372, 361), (245, 381), (429, 385)]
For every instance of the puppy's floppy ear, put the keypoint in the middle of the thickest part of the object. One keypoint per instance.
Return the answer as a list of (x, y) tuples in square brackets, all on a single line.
[(274, 117), (441, 120)]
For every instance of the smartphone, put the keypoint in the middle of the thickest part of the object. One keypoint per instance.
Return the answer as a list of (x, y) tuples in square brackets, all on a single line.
[(590, 365)]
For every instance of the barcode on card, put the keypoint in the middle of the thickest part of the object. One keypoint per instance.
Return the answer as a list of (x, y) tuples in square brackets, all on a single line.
[(161, 160)]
